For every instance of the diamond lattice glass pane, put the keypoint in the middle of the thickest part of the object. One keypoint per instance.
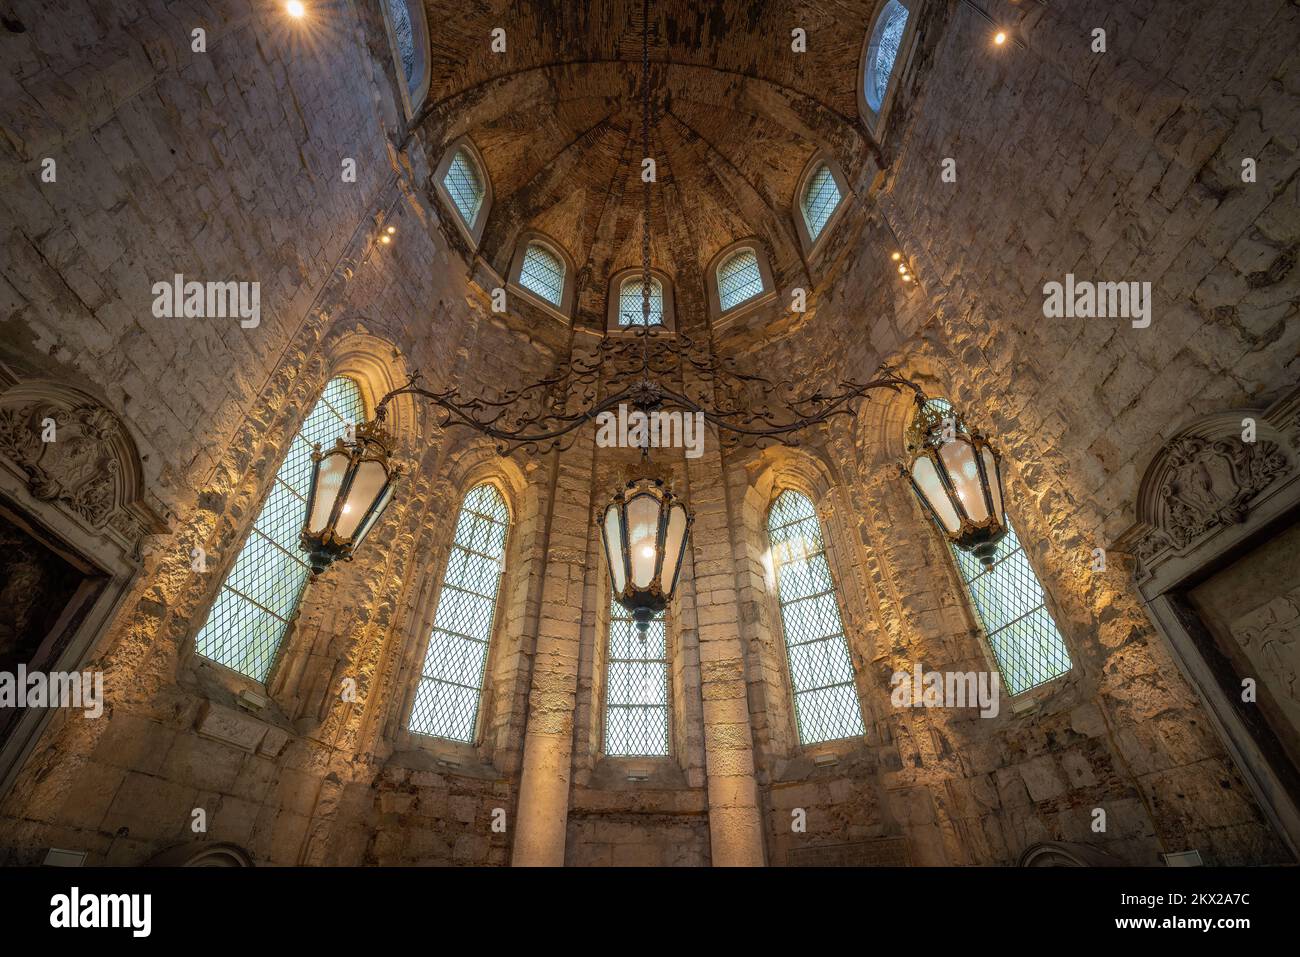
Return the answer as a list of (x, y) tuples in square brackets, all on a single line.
[(261, 592), (451, 683), (543, 273), (883, 51), (821, 670), (739, 279), (1012, 608), (820, 198), (636, 682), (631, 306), (465, 186)]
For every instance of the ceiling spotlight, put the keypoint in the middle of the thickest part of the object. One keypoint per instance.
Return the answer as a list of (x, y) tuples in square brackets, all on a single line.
[(896, 257), (999, 38), (295, 9)]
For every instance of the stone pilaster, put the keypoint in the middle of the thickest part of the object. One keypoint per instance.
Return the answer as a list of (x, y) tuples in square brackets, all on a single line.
[(543, 808)]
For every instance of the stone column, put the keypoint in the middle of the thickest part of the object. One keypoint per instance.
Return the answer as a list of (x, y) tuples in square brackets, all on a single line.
[(543, 809), (735, 821)]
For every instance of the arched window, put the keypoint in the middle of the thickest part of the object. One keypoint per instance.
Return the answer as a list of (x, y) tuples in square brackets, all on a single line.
[(1011, 606), (821, 671), (882, 52), (636, 686), (464, 184), (410, 42), (261, 593), (739, 278), (543, 273), (630, 302), (821, 196), (451, 680)]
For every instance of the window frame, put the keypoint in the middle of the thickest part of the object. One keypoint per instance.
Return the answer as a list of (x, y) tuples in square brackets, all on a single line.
[(265, 685), (412, 94), (614, 297), (829, 550), (473, 232), (812, 245), (563, 311), (768, 294), (876, 120), (428, 622)]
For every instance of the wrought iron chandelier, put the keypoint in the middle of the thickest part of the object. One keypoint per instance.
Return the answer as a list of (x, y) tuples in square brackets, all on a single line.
[(644, 528)]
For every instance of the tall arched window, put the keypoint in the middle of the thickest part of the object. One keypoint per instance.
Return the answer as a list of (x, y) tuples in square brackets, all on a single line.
[(261, 593), (882, 52), (543, 273), (630, 302), (464, 184), (739, 278), (636, 686), (1011, 606), (451, 680), (825, 698), (821, 196)]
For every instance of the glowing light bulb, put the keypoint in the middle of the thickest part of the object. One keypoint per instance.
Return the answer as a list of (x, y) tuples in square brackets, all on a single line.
[(896, 257), (999, 38), (648, 551), (902, 269), (907, 279), (391, 230), (295, 9), (385, 239)]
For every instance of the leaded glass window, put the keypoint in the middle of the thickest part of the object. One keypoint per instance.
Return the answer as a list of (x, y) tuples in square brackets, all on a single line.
[(883, 51), (1012, 609), (451, 680), (821, 671), (820, 197), (636, 695), (630, 303), (543, 273), (400, 18), (739, 279), (464, 185), (261, 593)]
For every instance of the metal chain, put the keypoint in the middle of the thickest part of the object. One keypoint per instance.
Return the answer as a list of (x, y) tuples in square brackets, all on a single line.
[(645, 183)]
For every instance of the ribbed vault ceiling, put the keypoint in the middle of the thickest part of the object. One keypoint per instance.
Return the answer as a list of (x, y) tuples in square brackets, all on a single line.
[(558, 120)]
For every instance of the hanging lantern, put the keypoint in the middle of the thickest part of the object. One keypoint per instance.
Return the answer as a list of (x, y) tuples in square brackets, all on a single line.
[(957, 476), (351, 485), (644, 530)]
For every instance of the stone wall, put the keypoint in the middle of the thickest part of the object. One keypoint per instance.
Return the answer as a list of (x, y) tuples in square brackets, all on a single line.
[(225, 165)]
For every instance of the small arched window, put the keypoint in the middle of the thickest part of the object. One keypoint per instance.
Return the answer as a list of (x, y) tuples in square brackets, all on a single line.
[(451, 681), (821, 196), (630, 302), (410, 41), (882, 53), (542, 273), (259, 596), (1011, 606), (739, 279), (464, 184), (821, 672), (636, 687)]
